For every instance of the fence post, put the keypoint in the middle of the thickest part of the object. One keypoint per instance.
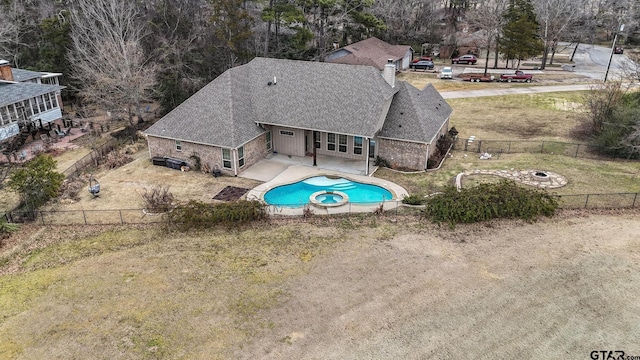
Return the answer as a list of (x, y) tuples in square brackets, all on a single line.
[(121, 221), (42, 217), (466, 144), (509, 149), (577, 148), (479, 146), (634, 201), (542, 148), (586, 202), (85, 217)]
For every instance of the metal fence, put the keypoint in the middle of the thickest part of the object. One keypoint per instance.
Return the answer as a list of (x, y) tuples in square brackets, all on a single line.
[(531, 146), (91, 158), (396, 207)]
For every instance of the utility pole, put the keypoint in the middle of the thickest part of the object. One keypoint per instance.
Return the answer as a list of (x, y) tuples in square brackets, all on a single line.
[(613, 48)]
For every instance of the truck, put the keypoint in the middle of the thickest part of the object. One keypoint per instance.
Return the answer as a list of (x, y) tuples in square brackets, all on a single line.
[(477, 77), (519, 75)]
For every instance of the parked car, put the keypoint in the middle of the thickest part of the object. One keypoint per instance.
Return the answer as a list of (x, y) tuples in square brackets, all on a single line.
[(465, 59), (618, 50), (422, 64), (427, 58), (446, 73), (519, 75)]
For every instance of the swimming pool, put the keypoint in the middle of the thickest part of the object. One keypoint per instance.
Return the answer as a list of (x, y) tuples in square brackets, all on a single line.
[(297, 195)]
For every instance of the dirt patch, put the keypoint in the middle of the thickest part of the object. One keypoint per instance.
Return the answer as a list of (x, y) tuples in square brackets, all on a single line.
[(560, 287), (230, 193)]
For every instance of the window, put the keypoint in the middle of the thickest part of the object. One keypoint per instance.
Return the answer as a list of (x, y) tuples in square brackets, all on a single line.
[(331, 141), (34, 106), (226, 158), (357, 145), (41, 103), (54, 100), (343, 143), (241, 156), (268, 140), (47, 98), (287, 133), (316, 139), (178, 145)]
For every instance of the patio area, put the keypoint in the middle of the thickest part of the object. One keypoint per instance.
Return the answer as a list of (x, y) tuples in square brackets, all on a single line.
[(274, 164), (31, 149)]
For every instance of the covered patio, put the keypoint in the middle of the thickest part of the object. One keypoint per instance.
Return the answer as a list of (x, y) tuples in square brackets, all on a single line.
[(274, 164)]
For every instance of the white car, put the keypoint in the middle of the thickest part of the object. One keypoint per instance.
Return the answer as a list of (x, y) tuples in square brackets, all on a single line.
[(446, 73)]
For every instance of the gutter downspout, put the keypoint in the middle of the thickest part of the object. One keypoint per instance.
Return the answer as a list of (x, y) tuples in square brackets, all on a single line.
[(366, 160), (235, 162), (426, 160)]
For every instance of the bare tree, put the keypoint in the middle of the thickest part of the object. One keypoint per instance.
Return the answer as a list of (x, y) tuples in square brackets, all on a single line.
[(108, 60), (9, 29), (488, 17), (556, 18)]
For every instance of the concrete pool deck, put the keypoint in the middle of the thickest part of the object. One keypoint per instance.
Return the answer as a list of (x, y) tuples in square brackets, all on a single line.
[(274, 164), (295, 173)]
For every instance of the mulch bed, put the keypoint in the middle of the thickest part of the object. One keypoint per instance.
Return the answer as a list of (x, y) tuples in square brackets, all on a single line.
[(230, 193)]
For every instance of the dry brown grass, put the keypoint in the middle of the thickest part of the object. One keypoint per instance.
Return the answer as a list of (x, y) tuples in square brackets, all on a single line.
[(548, 116), (291, 290)]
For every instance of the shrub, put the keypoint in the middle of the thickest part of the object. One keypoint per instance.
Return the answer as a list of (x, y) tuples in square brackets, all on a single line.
[(413, 200), (484, 202), (115, 160), (307, 211), (196, 162), (71, 188), (199, 215), (36, 182), (380, 161), (158, 199), (7, 228)]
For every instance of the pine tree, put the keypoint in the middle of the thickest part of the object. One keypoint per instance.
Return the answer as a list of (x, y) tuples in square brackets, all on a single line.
[(520, 39)]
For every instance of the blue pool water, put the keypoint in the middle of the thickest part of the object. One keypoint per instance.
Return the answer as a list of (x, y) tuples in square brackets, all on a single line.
[(297, 194)]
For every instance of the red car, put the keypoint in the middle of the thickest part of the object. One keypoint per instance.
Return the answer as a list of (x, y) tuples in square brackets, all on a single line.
[(421, 58), (465, 59)]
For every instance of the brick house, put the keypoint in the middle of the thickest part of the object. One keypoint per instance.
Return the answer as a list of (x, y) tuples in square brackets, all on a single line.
[(298, 108), (29, 100), (373, 52)]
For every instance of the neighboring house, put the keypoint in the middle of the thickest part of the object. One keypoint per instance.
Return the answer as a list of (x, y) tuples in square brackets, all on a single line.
[(290, 107), (373, 52), (28, 100)]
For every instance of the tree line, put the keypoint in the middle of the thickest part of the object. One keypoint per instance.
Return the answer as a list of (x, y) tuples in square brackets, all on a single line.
[(120, 53)]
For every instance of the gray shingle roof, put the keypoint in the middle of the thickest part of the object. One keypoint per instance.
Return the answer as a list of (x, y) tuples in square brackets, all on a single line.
[(311, 95), (12, 93), (219, 114), (415, 115), (21, 75), (372, 51)]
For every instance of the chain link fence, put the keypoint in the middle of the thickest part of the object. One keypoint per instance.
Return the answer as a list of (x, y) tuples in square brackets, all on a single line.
[(91, 158), (496, 147), (140, 216)]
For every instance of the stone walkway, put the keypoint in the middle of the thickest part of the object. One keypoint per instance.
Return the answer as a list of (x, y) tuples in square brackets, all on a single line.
[(538, 178)]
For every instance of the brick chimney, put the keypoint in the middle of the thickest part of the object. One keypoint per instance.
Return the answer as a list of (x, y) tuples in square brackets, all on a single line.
[(389, 73), (5, 71)]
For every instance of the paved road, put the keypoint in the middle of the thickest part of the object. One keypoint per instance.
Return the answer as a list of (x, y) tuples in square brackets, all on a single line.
[(592, 60), (513, 91)]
